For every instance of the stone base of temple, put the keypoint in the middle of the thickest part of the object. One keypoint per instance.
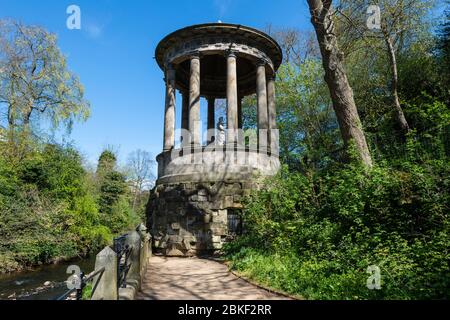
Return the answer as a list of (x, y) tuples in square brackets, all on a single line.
[(189, 219)]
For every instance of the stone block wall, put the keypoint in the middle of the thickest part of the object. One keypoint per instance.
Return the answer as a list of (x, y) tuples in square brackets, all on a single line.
[(186, 219)]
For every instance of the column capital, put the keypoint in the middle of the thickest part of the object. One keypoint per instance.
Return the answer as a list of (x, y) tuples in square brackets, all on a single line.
[(170, 74), (231, 53), (169, 66), (261, 63), (194, 55)]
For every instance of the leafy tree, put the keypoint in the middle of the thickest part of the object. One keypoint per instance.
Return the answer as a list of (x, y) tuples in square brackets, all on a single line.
[(336, 79), (305, 116), (107, 162), (51, 207), (113, 194), (47, 211), (140, 165), (35, 80), (315, 233), (308, 126), (111, 183), (443, 46), (401, 22), (112, 188), (314, 236)]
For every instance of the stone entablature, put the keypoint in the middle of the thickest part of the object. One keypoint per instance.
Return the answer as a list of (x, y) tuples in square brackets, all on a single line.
[(210, 40), (215, 45), (218, 37)]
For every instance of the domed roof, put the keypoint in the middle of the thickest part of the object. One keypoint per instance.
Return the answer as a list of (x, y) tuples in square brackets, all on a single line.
[(212, 41), (236, 31)]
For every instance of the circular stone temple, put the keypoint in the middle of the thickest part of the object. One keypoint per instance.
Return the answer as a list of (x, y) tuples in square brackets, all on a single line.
[(195, 205)]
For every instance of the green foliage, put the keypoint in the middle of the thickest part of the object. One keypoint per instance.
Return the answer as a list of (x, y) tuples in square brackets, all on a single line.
[(86, 225), (443, 47), (87, 292), (56, 171), (35, 81), (112, 188), (106, 162), (50, 210), (315, 236), (305, 117), (8, 180), (314, 229), (32, 229), (122, 217), (51, 207), (113, 195)]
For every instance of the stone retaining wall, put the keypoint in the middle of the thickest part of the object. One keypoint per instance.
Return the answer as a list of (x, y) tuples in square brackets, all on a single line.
[(189, 218)]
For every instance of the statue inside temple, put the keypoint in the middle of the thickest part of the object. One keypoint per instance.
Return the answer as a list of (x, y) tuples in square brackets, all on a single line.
[(220, 132)]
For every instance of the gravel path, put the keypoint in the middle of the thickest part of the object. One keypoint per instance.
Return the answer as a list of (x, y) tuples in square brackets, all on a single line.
[(196, 279)]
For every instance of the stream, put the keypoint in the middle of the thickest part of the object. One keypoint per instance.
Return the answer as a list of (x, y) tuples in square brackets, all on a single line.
[(29, 285)]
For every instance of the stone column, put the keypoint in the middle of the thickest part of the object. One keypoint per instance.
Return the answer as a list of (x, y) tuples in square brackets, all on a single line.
[(240, 124), (194, 100), (261, 95), (240, 113), (232, 98), (272, 114), (169, 117), (271, 107), (185, 113), (211, 119)]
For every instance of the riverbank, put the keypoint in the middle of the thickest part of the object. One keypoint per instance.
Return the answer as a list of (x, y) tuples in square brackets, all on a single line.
[(45, 282), (53, 261), (52, 207)]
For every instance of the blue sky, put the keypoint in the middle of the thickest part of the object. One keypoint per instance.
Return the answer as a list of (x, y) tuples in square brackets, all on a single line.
[(113, 56)]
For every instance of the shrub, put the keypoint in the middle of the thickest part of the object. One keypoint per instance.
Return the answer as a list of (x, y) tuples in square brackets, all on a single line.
[(315, 236), (50, 210)]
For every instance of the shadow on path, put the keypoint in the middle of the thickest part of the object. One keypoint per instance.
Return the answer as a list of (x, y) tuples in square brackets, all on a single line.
[(196, 279)]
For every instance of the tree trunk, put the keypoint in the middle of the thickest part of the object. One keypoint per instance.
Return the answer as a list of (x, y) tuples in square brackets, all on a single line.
[(27, 116), (136, 191), (10, 116), (336, 79), (399, 115)]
